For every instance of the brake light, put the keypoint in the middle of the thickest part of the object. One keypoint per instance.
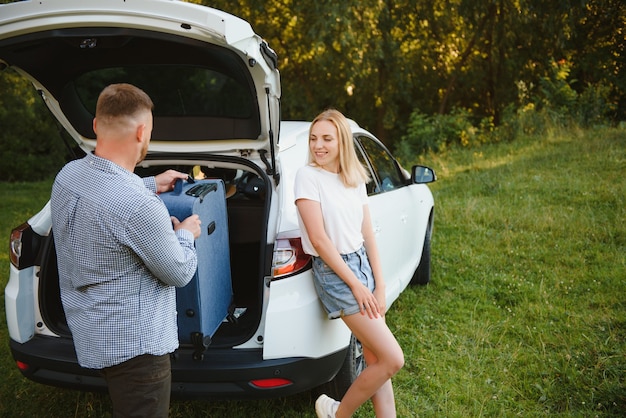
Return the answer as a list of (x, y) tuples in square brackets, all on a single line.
[(21, 365), (289, 257), (15, 244), (270, 383)]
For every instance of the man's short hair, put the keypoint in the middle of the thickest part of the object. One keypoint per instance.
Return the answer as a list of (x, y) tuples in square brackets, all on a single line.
[(122, 100)]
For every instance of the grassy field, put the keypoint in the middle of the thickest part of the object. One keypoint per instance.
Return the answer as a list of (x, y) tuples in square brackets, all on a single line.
[(526, 311)]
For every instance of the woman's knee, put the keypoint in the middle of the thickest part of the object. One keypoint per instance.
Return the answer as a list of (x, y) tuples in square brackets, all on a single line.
[(379, 343), (391, 361), (400, 362), (396, 361)]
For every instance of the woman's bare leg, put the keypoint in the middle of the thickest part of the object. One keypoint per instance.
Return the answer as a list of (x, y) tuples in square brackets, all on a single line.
[(384, 358), (384, 401)]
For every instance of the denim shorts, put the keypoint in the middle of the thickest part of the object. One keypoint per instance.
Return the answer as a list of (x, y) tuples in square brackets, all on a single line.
[(334, 293)]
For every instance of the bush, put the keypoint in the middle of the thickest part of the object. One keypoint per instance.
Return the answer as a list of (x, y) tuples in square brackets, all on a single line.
[(593, 106), (559, 104), (549, 107), (557, 98), (30, 145), (438, 132)]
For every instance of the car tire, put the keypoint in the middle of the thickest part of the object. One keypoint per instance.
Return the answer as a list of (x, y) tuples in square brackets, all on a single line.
[(422, 273), (351, 368)]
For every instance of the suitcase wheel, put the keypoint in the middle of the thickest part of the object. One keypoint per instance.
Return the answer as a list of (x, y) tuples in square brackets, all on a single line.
[(200, 342)]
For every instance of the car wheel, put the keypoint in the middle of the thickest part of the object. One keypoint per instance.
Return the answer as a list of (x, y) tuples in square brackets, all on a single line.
[(422, 273), (351, 368)]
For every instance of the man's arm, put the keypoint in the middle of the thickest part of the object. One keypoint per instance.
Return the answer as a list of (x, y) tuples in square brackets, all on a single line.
[(170, 255)]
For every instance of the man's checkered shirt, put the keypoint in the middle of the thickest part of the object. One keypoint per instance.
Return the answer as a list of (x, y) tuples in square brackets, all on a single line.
[(119, 259)]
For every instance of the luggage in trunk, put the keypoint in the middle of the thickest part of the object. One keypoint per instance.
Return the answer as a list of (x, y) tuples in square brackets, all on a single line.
[(206, 301)]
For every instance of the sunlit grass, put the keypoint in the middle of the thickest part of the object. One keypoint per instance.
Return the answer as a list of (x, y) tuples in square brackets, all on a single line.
[(526, 311), (531, 244)]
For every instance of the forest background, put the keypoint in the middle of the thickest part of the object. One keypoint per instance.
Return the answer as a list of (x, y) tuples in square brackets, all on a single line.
[(421, 75)]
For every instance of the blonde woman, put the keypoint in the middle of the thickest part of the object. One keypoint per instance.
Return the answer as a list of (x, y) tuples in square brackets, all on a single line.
[(337, 231)]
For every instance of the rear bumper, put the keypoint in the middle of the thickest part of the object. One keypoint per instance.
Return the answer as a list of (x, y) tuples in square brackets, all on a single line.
[(223, 373)]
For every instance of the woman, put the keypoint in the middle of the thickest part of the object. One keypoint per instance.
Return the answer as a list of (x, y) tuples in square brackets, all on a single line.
[(337, 231)]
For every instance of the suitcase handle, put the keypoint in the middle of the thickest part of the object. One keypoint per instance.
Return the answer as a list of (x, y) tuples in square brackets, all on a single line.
[(178, 186), (201, 190)]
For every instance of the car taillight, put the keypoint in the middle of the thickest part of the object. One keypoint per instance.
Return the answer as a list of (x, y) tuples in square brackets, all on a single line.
[(22, 366), (289, 257), (15, 244), (270, 383)]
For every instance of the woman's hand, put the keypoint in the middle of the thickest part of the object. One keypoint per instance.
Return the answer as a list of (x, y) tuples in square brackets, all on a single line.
[(379, 294), (368, 303)]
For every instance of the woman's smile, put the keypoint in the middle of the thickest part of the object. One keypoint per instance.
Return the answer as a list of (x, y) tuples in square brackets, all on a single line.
[(324, 145)]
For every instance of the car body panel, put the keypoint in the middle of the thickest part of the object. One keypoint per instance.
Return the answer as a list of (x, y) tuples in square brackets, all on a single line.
[(20, 295), (394, 218), (293, 303), (19, 298)]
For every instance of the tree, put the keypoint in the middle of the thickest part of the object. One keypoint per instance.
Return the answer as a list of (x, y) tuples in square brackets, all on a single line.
[(30, 146)]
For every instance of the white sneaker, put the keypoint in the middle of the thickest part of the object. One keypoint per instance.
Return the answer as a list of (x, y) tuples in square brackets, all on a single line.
[(326, 407)]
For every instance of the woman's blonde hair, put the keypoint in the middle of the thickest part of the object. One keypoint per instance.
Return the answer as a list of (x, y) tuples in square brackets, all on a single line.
[(351, 171)]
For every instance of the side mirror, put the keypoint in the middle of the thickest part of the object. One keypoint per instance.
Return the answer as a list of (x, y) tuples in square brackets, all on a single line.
[(421, 174)]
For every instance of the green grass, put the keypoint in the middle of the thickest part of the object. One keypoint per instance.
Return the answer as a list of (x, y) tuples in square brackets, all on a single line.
[(526, 311)]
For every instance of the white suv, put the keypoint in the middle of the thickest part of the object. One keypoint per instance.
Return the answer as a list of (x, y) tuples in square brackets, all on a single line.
[(216, 89)]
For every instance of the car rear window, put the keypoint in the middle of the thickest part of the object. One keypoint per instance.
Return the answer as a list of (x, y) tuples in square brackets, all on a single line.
[(175, 90), (201, 91)]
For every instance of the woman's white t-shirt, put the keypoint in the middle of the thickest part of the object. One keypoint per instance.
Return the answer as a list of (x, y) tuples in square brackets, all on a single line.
[(342, 208)]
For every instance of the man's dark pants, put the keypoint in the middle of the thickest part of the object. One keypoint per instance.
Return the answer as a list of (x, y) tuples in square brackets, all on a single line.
[(140, 387)]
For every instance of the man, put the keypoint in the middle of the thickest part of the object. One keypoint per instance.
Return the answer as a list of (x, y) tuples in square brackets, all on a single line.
[(120, 258)]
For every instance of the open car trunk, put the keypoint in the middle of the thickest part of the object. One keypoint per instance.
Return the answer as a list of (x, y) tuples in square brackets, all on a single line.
[(215, 87), (250, 256)]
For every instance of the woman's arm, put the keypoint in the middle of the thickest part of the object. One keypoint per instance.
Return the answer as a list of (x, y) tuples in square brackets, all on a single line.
[(311, 214)]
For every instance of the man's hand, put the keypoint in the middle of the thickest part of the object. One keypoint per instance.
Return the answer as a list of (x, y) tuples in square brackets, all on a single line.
[(191, 224), (166, 180)]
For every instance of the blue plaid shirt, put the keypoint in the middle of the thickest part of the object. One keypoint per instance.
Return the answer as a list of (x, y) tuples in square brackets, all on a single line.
[(119, 260)]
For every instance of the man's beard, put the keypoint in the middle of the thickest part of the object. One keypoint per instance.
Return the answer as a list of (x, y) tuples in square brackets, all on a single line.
[(144, 152)]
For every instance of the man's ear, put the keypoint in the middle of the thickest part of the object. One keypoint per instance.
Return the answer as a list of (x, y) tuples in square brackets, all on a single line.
[(141, 128), (95, 131)]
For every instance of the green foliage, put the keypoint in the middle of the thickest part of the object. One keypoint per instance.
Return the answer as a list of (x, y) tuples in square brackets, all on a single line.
[(433, 133), (557, 96), (436, 133), (559, 99), (555, 104), (594, 107), (30, 146)]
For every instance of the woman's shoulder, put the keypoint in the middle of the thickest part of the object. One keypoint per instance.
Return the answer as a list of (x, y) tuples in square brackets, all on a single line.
[(309, 168), (307, 171)]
